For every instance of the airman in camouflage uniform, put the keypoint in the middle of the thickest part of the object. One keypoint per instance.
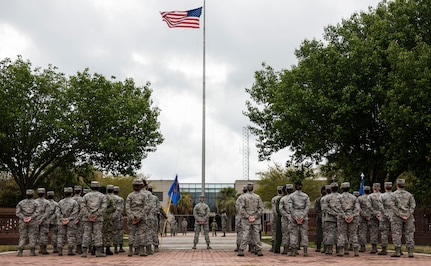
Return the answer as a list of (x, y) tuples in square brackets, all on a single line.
[(43, 220), (135, 204), (251, 209), (79, 220), (52, 218), (284, 211), (385, 223), (318, 210), (403, 221), (111, 208), (347, 221), (364, 217), (201, 212), (331, 211), (299, 204), (376, 212), (149, 209), (92, 208), (117, 222), (325, 230), (153, 220), (238, 226), (67, 213), (276, 221), (27, 212)]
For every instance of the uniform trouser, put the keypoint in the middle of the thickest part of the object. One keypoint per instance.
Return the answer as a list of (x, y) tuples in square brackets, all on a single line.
[(153, 231), (347, 232), (205, 230), (53, 231), (42, 237), (93, 229), (319, 231), (66, 232), (297, 232), (239, 231), (27, 230), (373, 227), (117, 230), (406, 227), (251, 235), (285, 235), (139, 233), (331, 233), (107, 231), (362, 231), (385, 228), (79, 232)]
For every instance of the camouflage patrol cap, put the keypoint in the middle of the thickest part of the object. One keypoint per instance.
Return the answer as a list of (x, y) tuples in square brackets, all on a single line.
[(138, 181), (279, 187), (68, 189), (356, 193), (345, 185), (202, 196), (289, 186), (401, 181), (388, 184), (110, 187), (94, 184), (376, 185), (116, 188), (334, 184), (367, 188), (50, 193), (29, 192), (41, 190), (78, 188), (327, 187)]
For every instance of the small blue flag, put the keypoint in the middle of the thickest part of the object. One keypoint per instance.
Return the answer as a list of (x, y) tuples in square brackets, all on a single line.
[(361, 188), (174, 191)]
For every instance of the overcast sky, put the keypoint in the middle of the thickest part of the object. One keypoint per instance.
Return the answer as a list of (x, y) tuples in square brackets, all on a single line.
[(128, 38)]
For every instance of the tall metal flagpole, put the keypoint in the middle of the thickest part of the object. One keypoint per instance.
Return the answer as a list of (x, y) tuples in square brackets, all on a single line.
[(203, 107)]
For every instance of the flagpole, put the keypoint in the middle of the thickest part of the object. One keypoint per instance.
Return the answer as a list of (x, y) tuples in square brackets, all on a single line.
[(203, 107)]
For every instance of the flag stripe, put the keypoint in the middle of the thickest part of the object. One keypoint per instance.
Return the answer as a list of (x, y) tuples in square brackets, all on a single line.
[(182, 19)]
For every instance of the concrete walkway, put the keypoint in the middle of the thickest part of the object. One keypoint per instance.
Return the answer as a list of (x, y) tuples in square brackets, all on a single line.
[(177, 251)]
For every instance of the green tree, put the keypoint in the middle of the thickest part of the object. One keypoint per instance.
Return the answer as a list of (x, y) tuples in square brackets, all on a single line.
[(184, 205), (50, 121), (359, 99), (226, 200)]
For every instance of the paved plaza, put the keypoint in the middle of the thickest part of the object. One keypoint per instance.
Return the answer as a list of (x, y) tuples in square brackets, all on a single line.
[(177, 251)]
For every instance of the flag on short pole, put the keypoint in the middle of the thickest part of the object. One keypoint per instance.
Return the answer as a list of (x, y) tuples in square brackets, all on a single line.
[(174, 191), (182, 19), (361, 188)]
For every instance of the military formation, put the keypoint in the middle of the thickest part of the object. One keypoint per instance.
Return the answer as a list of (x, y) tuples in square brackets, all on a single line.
[(344, 219), (90, 221)]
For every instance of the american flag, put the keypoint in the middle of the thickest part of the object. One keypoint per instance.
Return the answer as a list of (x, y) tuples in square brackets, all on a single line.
[(182, 19)]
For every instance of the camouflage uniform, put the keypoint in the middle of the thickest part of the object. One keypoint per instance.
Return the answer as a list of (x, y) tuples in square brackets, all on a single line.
[(364, 217), (224, 221), (92, 208), (403, 207), (135, 203), (331, 212), (27, 209), (201, 212), (52, 218), (43, 220), (111, 208), (318, 210), (283, 209), (238, 226), (67, 213), (324, 206), (184, 226), (376, 210), (149, 210), (117, 222), (153, 220), (79, 220), (276, 221), (385, 223), (251, 209), (347, 220), (299, 204)]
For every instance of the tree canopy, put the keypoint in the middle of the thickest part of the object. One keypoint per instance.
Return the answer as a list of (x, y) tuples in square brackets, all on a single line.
[(359, 99), (51, 121)]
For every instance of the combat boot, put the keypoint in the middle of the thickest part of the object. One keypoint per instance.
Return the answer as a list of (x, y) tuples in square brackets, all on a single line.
[(194, 246), (99, 252), (33, 252), (410, 252), (70, 251), (237, 248), (143, 252), (317, 248), (44, 251), (93, 250), (259, 253), (130, 251), (397, 253), (383, 251), (346, 249), (54, 249), (60, 251), (362, 249), (156, 248), (272, 246), (356, 251), (108, 251), (115, 249), (285, 249), (84, 252), (241, 253), (329, 250), (292, 252), (373, 249), (150, 250), (136, 251), (208, 246), (121, 250), (340, 251), (20, 250), (305, 251), (78, 249)]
